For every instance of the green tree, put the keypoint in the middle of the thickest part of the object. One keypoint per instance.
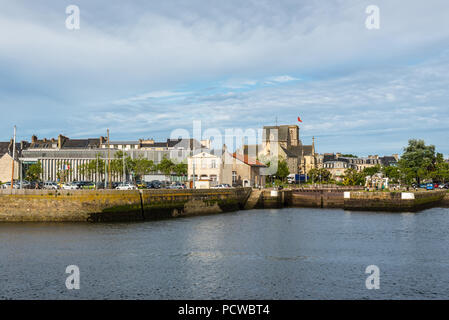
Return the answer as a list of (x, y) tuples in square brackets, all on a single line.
[(349, 156), (282, 171), (392, 172), (441, 172), (370, 171), (34, 172), (64, 171), (352, 177), (93, 168), (321, 175), (166, 166), (417, 161), (180, 169), (142, 166)]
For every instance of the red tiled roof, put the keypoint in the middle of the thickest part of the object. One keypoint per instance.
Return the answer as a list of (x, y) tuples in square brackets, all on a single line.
[(247, 160)]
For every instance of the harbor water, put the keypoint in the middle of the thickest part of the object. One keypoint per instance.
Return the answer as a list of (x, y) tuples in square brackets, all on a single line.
[(292, 253)]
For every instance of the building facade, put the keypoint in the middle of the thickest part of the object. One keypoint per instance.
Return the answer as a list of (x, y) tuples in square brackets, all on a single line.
[(68, 157), (283, 142)]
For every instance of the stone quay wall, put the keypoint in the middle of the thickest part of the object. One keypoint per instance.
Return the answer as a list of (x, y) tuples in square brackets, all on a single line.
[(116, 205), (445, 202), (353, 199)]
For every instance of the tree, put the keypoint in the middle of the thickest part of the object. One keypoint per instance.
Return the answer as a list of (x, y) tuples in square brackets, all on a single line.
[(64, 171), (370, 171), (392, 172), (352, 177), (34, 172), (349, 156), (142, 166), (166, 166), (321, 175), (417, 161), (94, 168), (282, 171), (441, 172), (180, 169)]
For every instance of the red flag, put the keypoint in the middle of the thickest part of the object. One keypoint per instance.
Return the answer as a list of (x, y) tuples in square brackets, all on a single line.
[(299, 119)]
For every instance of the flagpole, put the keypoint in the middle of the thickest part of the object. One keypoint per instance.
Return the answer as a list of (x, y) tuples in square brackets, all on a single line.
[(13, 157)]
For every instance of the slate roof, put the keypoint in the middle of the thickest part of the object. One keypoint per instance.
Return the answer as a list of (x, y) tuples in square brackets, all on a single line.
[(174, 143), (81, 143), (388, 160), (297, 151), (4, 148)]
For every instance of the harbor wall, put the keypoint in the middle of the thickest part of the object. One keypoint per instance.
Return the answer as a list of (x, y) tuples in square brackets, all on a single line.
[(116, 205)]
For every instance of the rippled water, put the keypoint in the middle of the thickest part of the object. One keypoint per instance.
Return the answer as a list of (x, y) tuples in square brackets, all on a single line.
[(258, 254)]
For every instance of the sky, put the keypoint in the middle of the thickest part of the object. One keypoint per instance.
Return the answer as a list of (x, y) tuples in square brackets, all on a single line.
[(146, 69)]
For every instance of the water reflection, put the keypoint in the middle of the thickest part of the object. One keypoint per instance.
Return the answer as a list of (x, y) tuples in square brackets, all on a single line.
[(257, 254)]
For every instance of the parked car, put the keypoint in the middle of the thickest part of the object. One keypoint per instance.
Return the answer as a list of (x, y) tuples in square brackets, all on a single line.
[(114, 185), (50, 185), (36, 185), (221, 186), (89, 185), (141, 184), (156, 184), (7, 185), (126, 186), (100, 185), (177, 185), (148, 185), (444, 186), (70, 186)]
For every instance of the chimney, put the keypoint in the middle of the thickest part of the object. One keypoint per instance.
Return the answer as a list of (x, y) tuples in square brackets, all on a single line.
[(60, 141), (34, 139)]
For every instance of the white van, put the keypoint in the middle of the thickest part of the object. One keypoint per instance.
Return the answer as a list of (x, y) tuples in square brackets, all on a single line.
[(50, 185)]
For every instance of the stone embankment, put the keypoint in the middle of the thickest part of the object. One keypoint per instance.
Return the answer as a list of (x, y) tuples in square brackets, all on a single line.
[(115, 205), (353, 199), (140, 205)]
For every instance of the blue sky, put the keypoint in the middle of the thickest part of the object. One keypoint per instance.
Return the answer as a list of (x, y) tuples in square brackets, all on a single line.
[(145, 68)]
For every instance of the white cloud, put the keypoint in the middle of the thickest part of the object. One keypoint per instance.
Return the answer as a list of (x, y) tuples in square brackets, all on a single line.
[(282, 79)]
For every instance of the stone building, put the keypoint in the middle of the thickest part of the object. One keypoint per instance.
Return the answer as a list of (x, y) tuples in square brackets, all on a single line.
[(246, 171), (6, 150), (337, 163), (283, 142), (207, 169), (221, 167)]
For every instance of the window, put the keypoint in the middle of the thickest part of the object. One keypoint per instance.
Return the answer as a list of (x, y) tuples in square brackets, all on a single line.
[(213, 164), (203, 164), (234, 176)]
